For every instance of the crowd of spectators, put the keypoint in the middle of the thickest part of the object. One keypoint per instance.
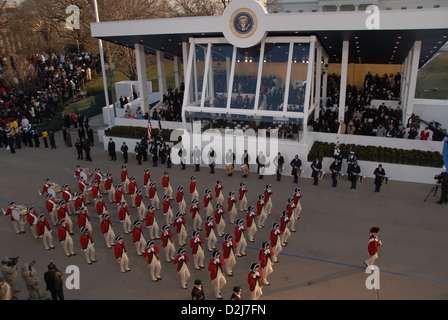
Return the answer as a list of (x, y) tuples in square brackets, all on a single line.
[(58, 78)]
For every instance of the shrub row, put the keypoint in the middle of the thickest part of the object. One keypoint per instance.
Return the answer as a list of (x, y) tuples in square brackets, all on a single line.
[(378, 154)]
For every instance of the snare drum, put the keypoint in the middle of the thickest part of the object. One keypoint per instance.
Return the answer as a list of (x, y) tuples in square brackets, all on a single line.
[(338, 176), (83, 175), (90, 191), (19, 212), (359, 179), (320, 175), (245, 169), (229, 168), (384, 181)]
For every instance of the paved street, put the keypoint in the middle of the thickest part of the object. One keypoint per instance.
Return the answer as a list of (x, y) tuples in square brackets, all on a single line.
[(323, 259)]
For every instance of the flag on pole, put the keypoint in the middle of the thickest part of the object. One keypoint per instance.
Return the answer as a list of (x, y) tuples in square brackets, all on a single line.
[(149, 129), (445, 154)]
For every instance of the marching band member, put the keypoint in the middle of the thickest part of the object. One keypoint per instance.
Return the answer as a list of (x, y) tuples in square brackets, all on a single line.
[(45, 187), (379, 175), (52, 208), (79, 201), (109, 186), (153, 196), (100, 205), (243, 199), (95, 189), (141, 208), (124, 177), (153, 260), (297, 198), (193, 190), (64, 234), (219, 218), (167, 189), (261, 212), (335, 168), (167, 242), (351, 159), (67, 195), (138, 237), (240, 238), (83, 188), (219, 192), (17, 224), (355, 171), (250, 223), (132, 190), (182, 268), (64, 213), (124, 216), (119, 195), (147, 181), (78, 171), (284, 221), (216, 275), (208, 203), (231, 201), (316, 167), (210, 234), (291, 208), (197, 250), (167, 210), (179, 224), (31, 218), (228, 247), (268, 199), (87, 244), (255, 281), (120, 253), (276, 243), (84, 219), (266, 265), (195, 215), (99, 177), (151, 223), (44, 232), (180, 199), (374, 246), (107, 230)]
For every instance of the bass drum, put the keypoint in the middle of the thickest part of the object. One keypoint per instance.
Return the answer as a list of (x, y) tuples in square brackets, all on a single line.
[(83, 175), (19, 212)]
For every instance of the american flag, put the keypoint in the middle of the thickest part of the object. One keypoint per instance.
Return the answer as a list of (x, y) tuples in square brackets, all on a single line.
[(149, 129)]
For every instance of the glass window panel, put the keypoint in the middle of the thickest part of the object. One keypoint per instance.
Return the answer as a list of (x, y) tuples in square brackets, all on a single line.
[(245, 78), (197, 74), (219, 76), (273, 78), (299, 70)]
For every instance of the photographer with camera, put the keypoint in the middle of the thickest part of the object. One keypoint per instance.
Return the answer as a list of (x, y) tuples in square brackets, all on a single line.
[(442, 179), (29, 276), (9, 272)]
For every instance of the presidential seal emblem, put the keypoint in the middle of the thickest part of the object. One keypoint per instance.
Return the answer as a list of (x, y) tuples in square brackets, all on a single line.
[(243, 23)]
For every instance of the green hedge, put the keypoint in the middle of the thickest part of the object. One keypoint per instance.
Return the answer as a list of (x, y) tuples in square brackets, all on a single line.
[(378, 154), (136, 132)]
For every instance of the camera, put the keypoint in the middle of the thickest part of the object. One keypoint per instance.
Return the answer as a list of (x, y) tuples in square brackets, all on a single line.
[(12, 261), (440, 177)]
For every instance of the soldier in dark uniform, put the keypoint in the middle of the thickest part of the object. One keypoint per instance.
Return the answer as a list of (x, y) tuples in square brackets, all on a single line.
[(335, 169), (379, 174), (316, 166), (350, 162), (296, 163), (355, 171), (197, 293)]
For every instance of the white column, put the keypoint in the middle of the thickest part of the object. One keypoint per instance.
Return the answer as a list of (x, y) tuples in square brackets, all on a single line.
[(343, 87), (318, 77), (309, 76), (142, 79), (161, 73), (103, 69), (413, 79)]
